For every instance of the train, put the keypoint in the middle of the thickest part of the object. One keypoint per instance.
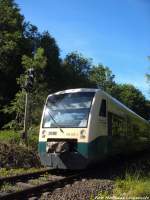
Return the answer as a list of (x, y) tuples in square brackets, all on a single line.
[(80, 127)]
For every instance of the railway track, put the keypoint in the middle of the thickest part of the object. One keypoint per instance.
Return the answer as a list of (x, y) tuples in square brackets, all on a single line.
[(25, 189), (58, 178), (24, 176)]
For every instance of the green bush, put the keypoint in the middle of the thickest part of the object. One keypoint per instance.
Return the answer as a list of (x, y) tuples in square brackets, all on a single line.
[(14, 137), (14, 153), (33, 138), (10, 136)]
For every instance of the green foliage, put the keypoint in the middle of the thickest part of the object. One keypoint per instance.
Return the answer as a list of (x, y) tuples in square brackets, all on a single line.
[(11, 42), (33, 139), (23, 47), (52, 72), (77, 64), (39, 93), (37, 62), (16, 108), (76, 68), (17, 105), (133, 98), (15, 137), (102, 76), (11, 31), (126, 93), (11, 137)]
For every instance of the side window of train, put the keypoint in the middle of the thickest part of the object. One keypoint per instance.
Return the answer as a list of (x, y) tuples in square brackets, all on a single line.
[(118, 126), (102, 112)]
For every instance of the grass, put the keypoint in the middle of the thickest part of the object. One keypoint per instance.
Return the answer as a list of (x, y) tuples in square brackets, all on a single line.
[(12, 172), (42, 179), (7, 187), (133, 182), (9, 136), (133, 186)]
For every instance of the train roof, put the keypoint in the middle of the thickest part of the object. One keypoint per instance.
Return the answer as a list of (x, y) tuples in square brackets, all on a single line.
[(76, 90), (124, 107), (121, 105)]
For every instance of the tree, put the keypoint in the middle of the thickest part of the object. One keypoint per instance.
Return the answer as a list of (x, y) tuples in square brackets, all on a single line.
[(31, 38), (52, 71), (126, 93), (18, 38), (102, 77), (39, 92), (77, 63), (11, 39), (76, 70), (38, 95), (134, 99)]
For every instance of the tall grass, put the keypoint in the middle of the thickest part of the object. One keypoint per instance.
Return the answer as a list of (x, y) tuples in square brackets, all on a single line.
[(133, 186)]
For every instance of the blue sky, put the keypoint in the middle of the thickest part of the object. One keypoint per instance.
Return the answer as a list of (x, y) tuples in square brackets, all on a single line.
[(115, 33)]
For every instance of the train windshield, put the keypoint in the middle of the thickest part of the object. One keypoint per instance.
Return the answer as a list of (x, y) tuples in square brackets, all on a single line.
[(68, 110)]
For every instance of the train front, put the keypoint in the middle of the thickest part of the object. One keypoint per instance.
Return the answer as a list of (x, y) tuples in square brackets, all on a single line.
[(63, 138)]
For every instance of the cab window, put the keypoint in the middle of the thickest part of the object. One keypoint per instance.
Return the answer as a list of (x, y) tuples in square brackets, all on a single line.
[(102, 112)]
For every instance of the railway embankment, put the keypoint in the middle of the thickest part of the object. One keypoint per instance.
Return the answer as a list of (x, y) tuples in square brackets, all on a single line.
[(14, 153), (17, 156), (123, 177)]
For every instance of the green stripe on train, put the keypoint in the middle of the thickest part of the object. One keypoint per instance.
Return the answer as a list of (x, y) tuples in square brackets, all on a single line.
[(95, 149), (91, 149), (104, 145), (42, 147)]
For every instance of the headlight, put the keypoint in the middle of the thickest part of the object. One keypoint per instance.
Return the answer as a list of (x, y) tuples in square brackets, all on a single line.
[(82, 134), (43, 133)]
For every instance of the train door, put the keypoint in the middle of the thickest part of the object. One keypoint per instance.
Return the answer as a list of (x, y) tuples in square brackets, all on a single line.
[(102, 126), (98, 128), (109, 124), (103, 116)]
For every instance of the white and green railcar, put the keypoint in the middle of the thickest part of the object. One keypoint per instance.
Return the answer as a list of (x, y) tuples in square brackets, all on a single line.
[(83, 126)]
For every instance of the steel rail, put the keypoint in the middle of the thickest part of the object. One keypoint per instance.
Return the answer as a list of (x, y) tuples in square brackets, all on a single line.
[(39, 189), (23, 176)]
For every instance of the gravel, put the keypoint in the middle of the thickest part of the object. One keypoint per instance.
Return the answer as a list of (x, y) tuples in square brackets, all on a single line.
[(80, 190)]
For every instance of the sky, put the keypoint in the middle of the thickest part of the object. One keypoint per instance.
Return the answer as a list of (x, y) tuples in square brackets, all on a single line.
[(115, 33)]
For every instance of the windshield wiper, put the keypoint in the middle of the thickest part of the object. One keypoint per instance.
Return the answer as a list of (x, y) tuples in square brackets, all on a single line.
[(58, 126)]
